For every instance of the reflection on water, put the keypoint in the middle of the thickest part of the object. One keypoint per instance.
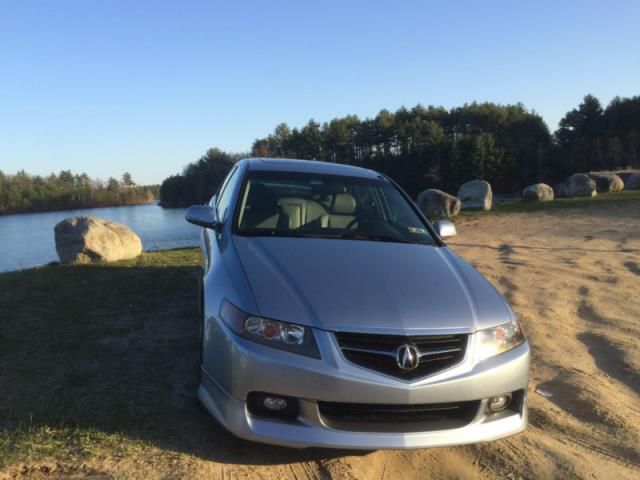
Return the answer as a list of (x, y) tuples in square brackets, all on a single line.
[(27, 240)]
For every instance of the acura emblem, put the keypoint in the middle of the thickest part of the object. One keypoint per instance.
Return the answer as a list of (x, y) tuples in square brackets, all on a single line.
[(407, 357)]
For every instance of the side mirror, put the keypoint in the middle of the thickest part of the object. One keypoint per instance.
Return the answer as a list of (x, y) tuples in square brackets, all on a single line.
[(204, 216), (445, 228)]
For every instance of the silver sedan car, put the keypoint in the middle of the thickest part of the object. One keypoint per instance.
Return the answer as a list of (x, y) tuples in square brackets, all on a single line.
[(334, 315)]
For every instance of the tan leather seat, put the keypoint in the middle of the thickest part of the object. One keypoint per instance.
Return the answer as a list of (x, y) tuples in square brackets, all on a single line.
[(343, 211), (294, 209), (262, 209), (316, 215), (303, 213)]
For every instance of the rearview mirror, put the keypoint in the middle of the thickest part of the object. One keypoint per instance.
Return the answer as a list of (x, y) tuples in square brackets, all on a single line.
[(445, 228), (204, 216)]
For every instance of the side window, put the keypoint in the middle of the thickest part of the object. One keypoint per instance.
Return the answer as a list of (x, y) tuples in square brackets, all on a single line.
[(224, 196), (223, 184)]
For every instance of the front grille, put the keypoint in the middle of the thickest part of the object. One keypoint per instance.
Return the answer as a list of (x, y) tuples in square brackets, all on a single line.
[(364, 417), (378, 352)]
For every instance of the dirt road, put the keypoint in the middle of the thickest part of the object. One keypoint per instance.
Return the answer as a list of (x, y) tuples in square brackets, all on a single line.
[(573, 277)]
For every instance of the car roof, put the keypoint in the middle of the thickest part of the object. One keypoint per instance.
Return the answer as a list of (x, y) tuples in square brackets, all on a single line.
[(307, 166)]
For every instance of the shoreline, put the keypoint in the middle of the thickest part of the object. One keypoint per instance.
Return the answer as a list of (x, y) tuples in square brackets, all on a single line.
[(8, 214), (56, 263)]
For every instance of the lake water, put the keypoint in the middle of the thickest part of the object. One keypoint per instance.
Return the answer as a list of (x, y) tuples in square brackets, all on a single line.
[(27, 239)]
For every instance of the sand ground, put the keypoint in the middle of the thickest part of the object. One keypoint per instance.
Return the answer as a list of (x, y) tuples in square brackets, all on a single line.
[(573, 278)]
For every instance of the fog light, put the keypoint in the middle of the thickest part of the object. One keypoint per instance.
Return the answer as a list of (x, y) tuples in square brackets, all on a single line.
[(264, 404), (499, 403), (274, 403)]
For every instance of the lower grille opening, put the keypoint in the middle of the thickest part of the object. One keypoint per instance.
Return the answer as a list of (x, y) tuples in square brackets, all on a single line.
[(367, 417)]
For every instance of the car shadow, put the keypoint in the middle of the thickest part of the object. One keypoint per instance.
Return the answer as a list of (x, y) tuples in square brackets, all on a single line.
[(114, 350)]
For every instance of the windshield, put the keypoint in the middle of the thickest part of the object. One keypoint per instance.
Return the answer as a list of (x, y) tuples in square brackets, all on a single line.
[(327, 206)]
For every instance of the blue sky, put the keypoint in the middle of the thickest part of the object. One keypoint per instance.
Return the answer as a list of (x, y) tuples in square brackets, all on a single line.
[(147, 86)]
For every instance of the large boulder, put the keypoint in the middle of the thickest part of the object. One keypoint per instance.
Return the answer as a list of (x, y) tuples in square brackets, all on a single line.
[(476, 194), (633, 182), (436, 203), (540, 192), (607, 182), (87, 239), (580, 185)]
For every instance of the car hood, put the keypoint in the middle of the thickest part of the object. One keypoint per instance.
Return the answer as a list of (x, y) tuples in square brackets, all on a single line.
[(366, 286)]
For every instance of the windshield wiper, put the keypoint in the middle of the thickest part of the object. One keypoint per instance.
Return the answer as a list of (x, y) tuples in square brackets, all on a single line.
[(376, 238), (286, 233), (316, 234)]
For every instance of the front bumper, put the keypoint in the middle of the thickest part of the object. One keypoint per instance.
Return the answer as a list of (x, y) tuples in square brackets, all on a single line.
[(312, 432), (243, 366)]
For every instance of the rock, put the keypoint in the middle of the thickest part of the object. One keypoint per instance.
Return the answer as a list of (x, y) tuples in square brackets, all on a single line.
[(544, 393), (476, 194), (560, 190), (633, 182), (540, 192), (87, 239), (607, 182), (580, 185), (436, 203), (625, 176)]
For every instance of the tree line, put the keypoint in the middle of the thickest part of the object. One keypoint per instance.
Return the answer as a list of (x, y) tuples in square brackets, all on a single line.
[(432, 147), (199, 180), (21, 193)]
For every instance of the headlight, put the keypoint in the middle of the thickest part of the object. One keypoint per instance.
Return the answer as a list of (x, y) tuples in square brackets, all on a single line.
[(496, 340), (285, 336)]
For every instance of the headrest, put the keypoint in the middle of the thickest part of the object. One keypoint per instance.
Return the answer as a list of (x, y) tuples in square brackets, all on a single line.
[(261, 198), (344, 204)]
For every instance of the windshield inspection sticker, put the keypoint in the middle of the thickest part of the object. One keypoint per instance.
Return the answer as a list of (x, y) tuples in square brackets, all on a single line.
[(421, 231)]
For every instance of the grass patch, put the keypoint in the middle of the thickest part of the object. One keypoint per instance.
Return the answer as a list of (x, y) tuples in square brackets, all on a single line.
[(99, 360)]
